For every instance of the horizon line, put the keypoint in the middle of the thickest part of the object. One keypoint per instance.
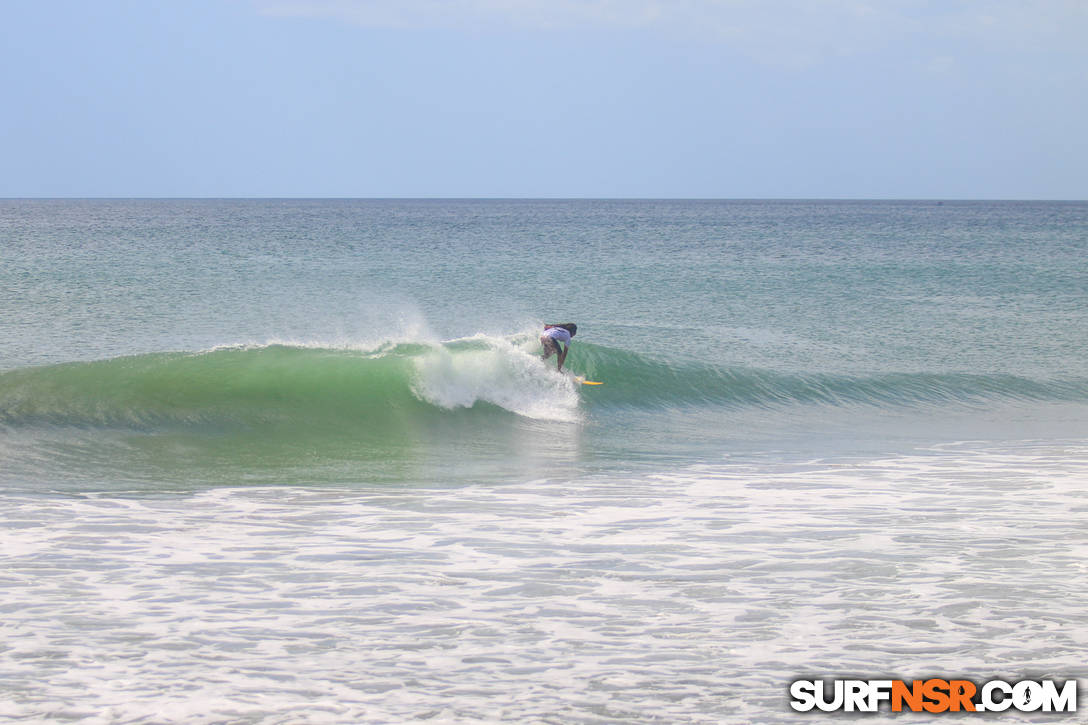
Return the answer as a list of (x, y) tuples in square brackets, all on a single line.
[(941, 199)]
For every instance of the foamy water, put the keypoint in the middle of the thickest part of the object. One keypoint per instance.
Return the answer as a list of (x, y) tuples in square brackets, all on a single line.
[(499, 372), (694, 596)]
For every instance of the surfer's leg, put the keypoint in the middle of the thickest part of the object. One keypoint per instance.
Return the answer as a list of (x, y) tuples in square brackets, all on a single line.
[(549, 347)]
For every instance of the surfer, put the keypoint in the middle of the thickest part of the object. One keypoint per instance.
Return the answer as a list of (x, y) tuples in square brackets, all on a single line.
[(556, 341)]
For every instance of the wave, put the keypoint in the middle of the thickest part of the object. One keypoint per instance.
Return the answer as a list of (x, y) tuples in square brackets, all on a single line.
[(471, 410), (288, 385), (395, 386), (636, 380)]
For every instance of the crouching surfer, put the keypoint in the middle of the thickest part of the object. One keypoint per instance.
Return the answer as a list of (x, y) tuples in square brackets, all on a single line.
[(556, 341)]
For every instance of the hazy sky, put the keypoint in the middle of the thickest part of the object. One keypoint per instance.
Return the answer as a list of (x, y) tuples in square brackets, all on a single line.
[(569, 98)]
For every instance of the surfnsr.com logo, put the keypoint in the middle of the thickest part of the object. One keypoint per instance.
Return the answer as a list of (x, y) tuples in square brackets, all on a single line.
[(933, 695)]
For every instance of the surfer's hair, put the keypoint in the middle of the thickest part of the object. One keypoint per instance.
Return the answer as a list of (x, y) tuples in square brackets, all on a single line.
[(569, 327)]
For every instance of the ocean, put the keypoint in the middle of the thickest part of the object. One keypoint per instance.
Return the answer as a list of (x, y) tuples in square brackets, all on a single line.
[(299, 461)]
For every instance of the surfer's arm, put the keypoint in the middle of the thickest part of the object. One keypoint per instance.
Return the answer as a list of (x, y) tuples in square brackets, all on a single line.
[(563, 350)]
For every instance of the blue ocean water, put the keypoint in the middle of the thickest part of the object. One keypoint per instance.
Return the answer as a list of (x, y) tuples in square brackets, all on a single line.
[(300, 461)]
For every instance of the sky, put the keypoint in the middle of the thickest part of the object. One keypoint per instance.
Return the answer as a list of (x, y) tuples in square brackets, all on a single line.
[(877, 99)]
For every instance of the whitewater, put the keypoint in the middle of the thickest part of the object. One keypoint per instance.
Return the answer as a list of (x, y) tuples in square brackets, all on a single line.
[(295, 461)]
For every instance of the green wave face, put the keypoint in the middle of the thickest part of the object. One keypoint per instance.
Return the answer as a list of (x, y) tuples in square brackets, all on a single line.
[(214, 389), (398, 387), (467, 409), (283, 413), (284, 386), (633, 380)]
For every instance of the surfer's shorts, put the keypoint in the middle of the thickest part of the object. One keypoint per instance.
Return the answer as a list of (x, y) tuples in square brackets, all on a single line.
[(551, 347)]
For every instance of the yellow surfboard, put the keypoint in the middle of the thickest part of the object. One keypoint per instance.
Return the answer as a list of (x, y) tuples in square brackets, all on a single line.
[(583, 381)]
